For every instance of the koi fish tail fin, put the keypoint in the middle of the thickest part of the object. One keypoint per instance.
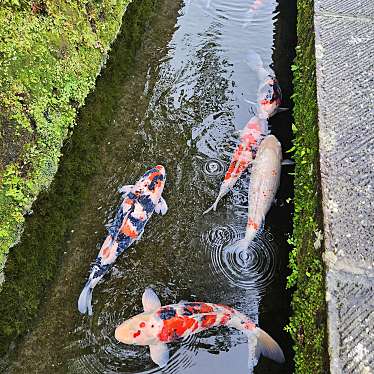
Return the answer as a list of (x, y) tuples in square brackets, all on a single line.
[(255, 63), (266, 346), (254, 60), (239, 246), (248, 18), (85, 299), (214, 206), (222, 192)]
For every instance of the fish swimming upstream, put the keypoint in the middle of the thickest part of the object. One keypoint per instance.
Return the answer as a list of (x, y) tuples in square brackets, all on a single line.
[(263, 186), (159, 325), (139, 203), (269, 94), (250, 137)]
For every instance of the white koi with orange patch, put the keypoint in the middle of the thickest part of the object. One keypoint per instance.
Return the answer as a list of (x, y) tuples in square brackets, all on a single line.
[(160, 325), (263, 186)]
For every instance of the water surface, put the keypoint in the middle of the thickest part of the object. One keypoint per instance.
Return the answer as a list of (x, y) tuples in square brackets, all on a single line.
[(180, 107)]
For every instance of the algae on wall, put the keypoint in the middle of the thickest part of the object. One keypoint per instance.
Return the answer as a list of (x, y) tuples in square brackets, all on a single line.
[(33, 263), (51, 52), (308, 322)]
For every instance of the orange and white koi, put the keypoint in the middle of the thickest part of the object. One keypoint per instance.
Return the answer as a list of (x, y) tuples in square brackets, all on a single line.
[(140, 201), (250, 137), (269, 94), (158, 325)]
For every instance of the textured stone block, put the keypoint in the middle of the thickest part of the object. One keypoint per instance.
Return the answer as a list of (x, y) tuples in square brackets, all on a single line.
[(351, 316), (345, 72), (355, 8)]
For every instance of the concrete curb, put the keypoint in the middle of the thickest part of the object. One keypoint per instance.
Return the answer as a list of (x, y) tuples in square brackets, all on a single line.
[(345, 77)]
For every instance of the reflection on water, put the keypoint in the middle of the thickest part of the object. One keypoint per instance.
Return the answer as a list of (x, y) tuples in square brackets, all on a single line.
[(179, 107)]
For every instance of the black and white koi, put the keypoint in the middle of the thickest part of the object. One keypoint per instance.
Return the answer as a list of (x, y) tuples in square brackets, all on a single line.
[(139, 202)]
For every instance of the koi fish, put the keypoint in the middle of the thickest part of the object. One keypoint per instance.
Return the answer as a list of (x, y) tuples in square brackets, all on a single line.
[(256, 5), (269, 94), (263, 186), (250, 138), (159, 325), (138, 204)]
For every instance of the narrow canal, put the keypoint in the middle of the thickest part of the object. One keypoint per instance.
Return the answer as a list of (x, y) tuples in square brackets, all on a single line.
[(175, 99)]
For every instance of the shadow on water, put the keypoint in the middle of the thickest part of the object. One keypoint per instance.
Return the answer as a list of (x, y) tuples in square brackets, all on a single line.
[(178, 105)]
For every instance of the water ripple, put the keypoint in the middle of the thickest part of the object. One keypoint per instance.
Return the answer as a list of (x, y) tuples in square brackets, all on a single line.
[(251, 269), (214, 168)]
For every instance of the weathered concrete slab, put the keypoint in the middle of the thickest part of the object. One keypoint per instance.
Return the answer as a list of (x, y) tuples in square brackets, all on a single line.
[(345, 86)]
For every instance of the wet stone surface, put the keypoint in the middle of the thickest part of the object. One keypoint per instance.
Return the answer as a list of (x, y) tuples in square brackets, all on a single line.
[(345, 73)]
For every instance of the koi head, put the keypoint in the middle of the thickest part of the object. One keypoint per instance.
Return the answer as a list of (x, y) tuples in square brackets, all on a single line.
[(141, 329), (254, 130), (270, 97), (152, 183), (271, 143)]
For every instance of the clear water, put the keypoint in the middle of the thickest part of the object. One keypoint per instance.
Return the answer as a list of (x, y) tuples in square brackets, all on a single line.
[(179, 107)]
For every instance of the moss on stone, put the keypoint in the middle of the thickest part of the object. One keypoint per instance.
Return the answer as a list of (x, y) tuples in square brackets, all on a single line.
[(51, 52), (308, 322), (34, 262)]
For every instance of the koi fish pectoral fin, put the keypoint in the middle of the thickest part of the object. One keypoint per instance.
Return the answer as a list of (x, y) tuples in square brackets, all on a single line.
[(161, 207), (251, 102), (280, 110), (150, 301), (267, 347), (125, 189), (287, 162), (159, 354)]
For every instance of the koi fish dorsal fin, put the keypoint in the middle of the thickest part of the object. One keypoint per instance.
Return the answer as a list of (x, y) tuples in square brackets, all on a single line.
[(159, 354), (125, 189), (150, 301)]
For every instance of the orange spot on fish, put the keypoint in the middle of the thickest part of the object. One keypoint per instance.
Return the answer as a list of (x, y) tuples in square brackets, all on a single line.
[(226, 318), (127, 230), (249, 325), (208, 320), (128, 201), (175, 327), (251, 223), (136, 334), (273, 173), (142, 324), (106, 252)]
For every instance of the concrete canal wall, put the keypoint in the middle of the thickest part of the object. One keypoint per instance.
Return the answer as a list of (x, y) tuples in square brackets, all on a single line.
[(345, 76)]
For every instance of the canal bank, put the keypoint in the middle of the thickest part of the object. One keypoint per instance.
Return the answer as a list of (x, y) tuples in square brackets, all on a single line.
[(345, 74), (307, 324), (35, 261), (51, 53)]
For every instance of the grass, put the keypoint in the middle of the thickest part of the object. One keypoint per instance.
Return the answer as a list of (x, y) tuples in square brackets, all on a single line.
[(307, 324), (51, 52)]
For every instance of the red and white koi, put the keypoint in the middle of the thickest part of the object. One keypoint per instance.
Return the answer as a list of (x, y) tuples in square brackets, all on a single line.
[(140, 201), (158, 325), (269, 94), (250, 137)]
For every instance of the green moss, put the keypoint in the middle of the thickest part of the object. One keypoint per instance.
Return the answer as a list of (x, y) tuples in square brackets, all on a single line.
[(51, 52), (308, 322), (34, 261)]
